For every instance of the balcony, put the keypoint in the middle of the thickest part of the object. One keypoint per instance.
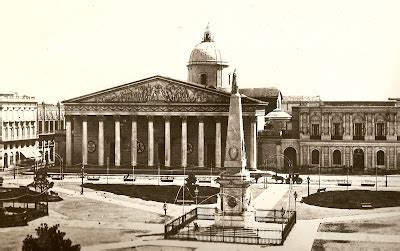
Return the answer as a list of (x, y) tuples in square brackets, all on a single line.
[(315, 137), (337, 137), (358, 137), (380, 137)]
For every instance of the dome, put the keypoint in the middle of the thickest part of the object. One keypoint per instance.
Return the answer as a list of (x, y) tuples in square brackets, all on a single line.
[(206, 52), (278, 114)]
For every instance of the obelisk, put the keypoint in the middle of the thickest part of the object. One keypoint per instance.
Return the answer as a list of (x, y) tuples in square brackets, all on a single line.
[(235, 180)]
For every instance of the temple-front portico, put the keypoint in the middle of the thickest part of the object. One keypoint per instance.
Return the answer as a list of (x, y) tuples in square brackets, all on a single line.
[(130, 132)]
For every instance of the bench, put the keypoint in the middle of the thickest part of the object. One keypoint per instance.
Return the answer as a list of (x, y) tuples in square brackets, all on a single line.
[(93, 177), (166, 178), (366, 205), (204, 179), (321, 190)]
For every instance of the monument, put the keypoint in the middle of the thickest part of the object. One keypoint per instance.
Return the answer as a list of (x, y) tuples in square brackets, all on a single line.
[(235, 180)]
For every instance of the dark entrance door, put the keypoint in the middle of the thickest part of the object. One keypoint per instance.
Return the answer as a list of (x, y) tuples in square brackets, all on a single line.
[(5, 160), (358, 159), (210, 155), (290, 154), (111, 153), (161, 154)]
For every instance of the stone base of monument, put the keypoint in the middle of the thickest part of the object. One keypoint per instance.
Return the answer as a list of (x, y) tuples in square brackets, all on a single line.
[(238, 221)]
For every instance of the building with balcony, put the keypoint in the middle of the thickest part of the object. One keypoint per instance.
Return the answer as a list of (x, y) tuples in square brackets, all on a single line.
[(355, 134), (50, 121), (18, 130)]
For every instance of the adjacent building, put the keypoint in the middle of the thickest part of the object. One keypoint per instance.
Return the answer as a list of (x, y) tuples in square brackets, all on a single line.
[(18, 130)]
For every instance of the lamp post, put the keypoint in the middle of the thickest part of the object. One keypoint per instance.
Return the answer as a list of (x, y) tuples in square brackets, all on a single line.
[(295, 197), (165, 208), (82, 169), (308, 185), (196, 193)]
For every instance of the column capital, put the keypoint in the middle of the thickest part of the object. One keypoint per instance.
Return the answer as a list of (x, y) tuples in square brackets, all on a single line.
[(117, 117), (183, 118), (133, 117), (167, 118), (217, 119), (100, 117), (150, 117), (200, 118)]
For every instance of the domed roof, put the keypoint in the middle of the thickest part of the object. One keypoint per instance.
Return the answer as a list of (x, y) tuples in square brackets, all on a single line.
[(206, 52)]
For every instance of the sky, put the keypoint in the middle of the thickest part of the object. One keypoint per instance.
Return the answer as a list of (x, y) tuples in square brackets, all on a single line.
[(339, 50)]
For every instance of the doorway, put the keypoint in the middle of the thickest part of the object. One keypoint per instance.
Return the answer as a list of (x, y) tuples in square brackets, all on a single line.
[(290, 154), (358, 159)]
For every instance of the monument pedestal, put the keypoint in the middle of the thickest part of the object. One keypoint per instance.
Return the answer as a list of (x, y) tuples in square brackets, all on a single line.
[(235, 200)]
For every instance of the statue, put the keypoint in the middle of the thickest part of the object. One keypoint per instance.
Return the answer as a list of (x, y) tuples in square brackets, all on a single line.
[(234, 83)]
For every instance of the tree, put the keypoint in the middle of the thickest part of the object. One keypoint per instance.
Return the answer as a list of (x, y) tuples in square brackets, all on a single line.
[(40, 181), (48, 239)]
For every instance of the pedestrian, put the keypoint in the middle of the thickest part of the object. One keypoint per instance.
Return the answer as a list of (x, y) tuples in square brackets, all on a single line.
[(165, 208)]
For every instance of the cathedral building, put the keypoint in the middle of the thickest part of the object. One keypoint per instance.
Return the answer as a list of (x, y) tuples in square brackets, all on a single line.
[(163, 122)]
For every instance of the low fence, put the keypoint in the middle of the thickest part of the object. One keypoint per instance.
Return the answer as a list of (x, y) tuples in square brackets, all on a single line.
[(19, 214), (180, 228)]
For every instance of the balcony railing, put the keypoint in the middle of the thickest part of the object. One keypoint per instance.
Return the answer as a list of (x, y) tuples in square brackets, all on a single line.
[(380, 137), (315, 137), (337, 137), (358, 137)]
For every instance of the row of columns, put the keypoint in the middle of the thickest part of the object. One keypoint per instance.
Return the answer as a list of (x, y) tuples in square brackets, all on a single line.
[(150, 137), (51, 126), (307, 129), (19, 130)]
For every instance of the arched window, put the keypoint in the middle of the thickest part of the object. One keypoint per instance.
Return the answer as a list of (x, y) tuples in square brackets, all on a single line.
[(315, 157), (337, 157), (380, 158), (203, 79)]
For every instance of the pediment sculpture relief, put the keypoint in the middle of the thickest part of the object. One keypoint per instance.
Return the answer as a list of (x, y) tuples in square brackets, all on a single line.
[(159, 91)]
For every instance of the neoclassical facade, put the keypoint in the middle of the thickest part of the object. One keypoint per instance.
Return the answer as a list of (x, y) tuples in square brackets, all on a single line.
[(355, 134), (160, 121)]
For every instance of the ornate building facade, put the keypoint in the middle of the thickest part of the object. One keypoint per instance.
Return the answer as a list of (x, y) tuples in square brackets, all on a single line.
[(160, 121), (18, 125), (357, 135)]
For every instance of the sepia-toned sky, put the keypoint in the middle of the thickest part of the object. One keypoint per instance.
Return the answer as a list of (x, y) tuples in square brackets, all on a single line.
[(340, 50)]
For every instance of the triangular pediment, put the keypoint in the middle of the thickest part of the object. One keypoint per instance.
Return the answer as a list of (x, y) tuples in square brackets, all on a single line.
[(156, 90)]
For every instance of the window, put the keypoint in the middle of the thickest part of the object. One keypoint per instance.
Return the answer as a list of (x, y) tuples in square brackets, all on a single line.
[(337, 157), (358, 129), (336, 129), (315, 129), (40, 126), (380, 158), (315, 157), (203, 79), (380, 129)]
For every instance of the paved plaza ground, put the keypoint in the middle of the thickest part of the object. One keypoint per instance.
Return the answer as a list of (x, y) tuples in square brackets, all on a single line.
[(99, 220)]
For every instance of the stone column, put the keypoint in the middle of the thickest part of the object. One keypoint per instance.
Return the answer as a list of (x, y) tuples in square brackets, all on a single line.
[(323, 127), (167, 141), (201, 142), (308, 124), (84, 141), (366, 157), (322, 157), (395, 126), (117, 126), (150, 137), (329, 157), (373, 125), (54, 125), (301, 156), (218, 143), (253, 145), (388, 157), (373, 164), (344, 156), (344, 124), (329, 124), (43, 125), (49, 127), (351, 125), (68, 141), (351, 156), (134, 141), (100, 160), (301, 123), (395, 158), (184, 142)]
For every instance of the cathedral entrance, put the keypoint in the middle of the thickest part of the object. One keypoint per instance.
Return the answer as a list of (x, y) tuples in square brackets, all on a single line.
[(290, 154), (358, 159), (210, 156), (161, 154)]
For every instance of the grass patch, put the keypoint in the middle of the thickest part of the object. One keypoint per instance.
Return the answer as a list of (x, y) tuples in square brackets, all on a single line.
[(319, 245), (352, 199), (157, 193), (25, 195)]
